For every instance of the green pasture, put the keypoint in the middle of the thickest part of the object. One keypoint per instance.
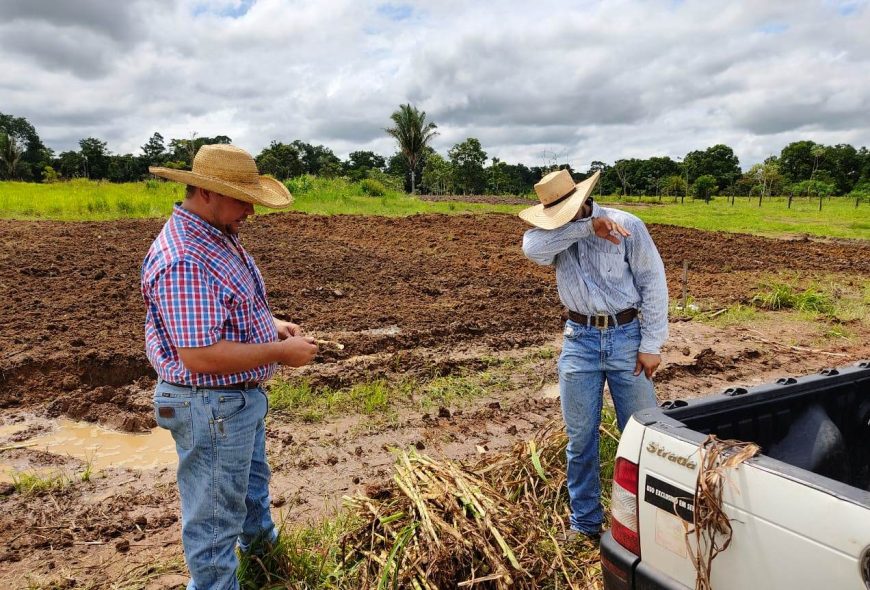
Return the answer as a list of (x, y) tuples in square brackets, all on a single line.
[(839, 217), (84, 200)]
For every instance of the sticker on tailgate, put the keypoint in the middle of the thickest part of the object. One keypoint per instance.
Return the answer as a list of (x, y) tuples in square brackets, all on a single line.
[(669, 498)]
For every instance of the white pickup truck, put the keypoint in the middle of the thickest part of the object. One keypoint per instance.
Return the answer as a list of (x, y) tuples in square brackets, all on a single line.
[(799, 510)]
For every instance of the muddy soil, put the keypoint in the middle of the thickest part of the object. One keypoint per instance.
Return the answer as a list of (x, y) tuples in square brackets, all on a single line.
[(71, 331), (418, 297)]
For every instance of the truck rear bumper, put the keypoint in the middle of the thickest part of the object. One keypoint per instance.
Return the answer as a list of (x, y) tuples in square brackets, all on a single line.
[(617, 564), (623, 570)]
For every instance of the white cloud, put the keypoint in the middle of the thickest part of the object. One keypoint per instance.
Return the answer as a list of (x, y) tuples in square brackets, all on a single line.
[(591, 80)]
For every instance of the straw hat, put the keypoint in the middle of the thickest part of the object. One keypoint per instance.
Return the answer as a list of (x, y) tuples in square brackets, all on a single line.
[(560, 198), (232, 172)]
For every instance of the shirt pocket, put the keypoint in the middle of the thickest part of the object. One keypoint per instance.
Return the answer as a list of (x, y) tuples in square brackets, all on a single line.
[(609, 258), (175, 416), (608, 264), (240, 323)]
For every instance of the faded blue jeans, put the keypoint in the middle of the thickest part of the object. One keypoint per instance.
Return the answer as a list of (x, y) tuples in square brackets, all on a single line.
[(223, 477), (589, 356)]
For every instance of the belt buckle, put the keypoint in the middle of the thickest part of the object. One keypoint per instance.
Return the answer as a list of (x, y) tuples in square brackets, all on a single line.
[(600, 321)]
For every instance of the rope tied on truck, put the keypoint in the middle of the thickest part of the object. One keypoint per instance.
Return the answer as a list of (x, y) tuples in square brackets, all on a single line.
[(711, 528)]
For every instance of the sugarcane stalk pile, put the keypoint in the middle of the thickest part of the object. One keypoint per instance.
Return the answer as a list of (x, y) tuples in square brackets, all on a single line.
[(499, 523)]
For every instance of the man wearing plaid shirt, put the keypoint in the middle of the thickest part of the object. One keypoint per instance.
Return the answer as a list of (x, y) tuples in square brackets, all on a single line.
[(211, 337)]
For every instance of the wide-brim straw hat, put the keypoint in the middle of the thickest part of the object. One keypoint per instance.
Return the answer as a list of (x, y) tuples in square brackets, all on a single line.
[(232, 172), (560, 198)]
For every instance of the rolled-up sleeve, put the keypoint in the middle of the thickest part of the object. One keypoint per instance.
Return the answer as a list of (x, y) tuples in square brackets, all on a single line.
[(191, 305), (649, 279)]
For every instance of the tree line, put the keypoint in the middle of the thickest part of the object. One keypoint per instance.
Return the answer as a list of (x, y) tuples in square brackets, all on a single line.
[(801, 167)]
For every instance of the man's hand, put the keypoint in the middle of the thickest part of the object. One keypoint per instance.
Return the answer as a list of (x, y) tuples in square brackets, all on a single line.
[(297, 350), (286, 329), (648, 363), (609, 230)]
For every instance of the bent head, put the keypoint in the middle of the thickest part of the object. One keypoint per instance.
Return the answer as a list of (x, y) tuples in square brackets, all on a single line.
[(225, 213)]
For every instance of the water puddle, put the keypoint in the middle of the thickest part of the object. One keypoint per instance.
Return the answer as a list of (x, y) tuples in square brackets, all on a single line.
[(101, 447), (10, 429)]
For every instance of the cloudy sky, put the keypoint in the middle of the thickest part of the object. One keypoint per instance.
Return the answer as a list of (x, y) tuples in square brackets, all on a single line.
[(575, 81)]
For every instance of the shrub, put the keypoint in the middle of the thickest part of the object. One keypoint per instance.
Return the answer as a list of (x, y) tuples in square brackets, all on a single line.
[(49, 175), (300, 184), (704, 187), (372, 188), (391, 182)]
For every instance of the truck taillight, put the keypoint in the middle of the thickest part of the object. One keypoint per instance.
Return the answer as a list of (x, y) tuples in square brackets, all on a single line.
[(623, 505)]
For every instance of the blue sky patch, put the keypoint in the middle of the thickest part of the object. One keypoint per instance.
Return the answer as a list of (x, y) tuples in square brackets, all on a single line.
[(228, 10), (774, 28), (847, 7), (396, 12)]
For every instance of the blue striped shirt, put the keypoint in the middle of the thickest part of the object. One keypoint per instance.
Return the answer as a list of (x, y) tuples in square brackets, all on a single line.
[(595, 276)]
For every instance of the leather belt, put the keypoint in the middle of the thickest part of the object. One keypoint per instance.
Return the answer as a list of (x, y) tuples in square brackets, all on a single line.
[(603, 321), (232, 386)]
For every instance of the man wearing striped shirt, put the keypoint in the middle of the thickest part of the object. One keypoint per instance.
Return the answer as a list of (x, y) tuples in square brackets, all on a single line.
[(611, 279), (213, 341)]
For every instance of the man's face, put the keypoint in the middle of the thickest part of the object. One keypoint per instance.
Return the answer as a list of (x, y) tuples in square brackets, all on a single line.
[(228, 214)]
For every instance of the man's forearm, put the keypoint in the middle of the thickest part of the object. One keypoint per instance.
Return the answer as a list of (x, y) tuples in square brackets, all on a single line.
[(225, 357), (542, 245)]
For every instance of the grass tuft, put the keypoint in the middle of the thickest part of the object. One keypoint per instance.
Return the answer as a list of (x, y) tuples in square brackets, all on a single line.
[(783, 296), (303, 557), (298, 398), (34, 484)]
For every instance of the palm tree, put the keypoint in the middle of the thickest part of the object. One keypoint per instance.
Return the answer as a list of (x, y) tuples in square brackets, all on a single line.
[(10, 155), (413, 134)]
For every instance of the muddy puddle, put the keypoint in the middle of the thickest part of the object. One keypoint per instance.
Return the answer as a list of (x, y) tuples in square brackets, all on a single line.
[(10, 429), (100, 447)]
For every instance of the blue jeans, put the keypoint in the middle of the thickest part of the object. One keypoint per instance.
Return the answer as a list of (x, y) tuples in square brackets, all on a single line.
[(589, 356), (223, 478)]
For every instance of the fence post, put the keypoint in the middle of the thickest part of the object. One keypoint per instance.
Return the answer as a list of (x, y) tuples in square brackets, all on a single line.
[(789, 200), (759, 199), (683, 200), (820, 202), (685, 284)]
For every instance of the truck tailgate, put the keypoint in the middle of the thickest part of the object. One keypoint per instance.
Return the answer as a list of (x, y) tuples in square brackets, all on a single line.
[(788, 533)]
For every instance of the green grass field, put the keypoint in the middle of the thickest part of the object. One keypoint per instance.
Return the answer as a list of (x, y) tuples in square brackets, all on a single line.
[(83, 200), (839, 218)]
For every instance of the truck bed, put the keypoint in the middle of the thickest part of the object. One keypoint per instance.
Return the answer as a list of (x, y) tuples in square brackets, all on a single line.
[(819, 423)]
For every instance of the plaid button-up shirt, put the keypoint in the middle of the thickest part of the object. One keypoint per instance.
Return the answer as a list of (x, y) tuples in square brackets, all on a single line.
[(200, 286)]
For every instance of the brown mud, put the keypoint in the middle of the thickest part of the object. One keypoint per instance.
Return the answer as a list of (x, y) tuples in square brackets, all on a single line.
[(72, 332)]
